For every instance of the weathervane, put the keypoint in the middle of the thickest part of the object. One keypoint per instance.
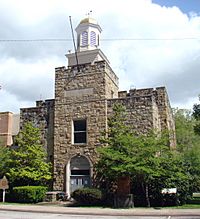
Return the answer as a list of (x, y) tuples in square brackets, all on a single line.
[(89, 13)]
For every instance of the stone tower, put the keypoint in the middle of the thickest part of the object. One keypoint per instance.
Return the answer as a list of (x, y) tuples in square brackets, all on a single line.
[(81, 109)]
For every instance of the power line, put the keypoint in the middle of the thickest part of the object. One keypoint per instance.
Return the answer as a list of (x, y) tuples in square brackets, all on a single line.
[(33, 40), (108, 39), (151, 39)]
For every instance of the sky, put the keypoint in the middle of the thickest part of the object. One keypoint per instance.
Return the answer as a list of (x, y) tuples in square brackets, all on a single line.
[(149, 43)]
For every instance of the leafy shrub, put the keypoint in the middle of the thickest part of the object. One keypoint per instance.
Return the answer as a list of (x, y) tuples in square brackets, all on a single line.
[(28, 194), (108, 199), (87, 196), (195, 199)]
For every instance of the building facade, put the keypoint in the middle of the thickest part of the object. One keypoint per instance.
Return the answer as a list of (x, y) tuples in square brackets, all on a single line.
[(85, 92), (9, 127)]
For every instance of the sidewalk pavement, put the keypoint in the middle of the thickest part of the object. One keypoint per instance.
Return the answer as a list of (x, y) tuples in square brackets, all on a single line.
[(101, 211)]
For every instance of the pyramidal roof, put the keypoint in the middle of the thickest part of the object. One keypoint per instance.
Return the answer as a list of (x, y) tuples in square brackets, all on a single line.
[(88, 20)]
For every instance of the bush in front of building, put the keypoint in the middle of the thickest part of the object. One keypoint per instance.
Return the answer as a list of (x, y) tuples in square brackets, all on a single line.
[(195, 199), (87, 196), (28, 194)]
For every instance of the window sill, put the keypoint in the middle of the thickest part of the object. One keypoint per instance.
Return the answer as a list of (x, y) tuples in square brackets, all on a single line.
[(80, 144)]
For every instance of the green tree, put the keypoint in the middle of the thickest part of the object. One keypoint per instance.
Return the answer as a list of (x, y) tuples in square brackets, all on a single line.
[(142, 157), (27, 164), (196, 114), (4, 159), (185, 135), (188, 143), (117, 143)]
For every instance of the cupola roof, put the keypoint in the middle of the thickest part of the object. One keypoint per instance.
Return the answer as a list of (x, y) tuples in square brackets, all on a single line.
[(88, 20)]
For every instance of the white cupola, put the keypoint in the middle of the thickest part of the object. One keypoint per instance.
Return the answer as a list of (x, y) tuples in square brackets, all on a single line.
[(88, 32), (88, 51)]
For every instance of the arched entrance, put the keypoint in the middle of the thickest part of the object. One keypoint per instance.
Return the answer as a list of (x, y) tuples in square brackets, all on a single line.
[(79, 173)]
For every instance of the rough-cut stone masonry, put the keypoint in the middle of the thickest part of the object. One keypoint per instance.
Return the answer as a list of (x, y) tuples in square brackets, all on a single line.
[(42, 117), (147, 109), (90, 94), (142, 111), (80, 95)]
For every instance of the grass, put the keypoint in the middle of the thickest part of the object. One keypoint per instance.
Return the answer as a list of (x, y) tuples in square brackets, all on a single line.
[(13, 203), (186, 206)]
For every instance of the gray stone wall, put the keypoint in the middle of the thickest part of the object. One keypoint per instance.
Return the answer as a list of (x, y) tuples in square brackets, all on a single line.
[(112, 84), (42, 117), (166, 115), (141, 108), (80, 95), (90, 94), (147, 109)]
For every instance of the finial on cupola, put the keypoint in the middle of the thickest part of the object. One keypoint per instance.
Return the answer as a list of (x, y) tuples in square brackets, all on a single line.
[(89, 14)]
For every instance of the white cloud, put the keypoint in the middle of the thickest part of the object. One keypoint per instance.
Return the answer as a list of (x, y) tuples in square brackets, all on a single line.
[(25, 82), (11, 103), (160, 62), (27, 69)]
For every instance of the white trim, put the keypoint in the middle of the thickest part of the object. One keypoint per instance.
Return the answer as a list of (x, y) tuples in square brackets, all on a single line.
[(68, 172), (68, 179), (80, 119)]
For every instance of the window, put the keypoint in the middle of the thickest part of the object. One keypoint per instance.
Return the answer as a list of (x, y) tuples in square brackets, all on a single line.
[(80, 135), (93, 38), (84, 38)]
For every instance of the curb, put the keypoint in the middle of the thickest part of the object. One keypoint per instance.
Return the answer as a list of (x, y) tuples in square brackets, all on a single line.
[(102, 212)]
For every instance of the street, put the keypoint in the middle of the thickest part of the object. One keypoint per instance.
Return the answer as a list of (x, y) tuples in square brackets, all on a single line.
[(33, 215)]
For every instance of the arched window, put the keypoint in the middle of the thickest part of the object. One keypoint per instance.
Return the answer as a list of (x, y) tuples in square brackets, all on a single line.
[(93, 38), (84, 38), (79, 165)]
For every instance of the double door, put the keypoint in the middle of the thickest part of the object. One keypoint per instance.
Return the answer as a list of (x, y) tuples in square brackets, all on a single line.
[(79, 181)]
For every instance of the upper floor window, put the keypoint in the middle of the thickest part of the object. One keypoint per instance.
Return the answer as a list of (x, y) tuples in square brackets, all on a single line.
[(84, 41), (93, 38), (80, 132)]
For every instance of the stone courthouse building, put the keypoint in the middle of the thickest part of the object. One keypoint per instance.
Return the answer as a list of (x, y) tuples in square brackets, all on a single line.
[(72, 123)]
